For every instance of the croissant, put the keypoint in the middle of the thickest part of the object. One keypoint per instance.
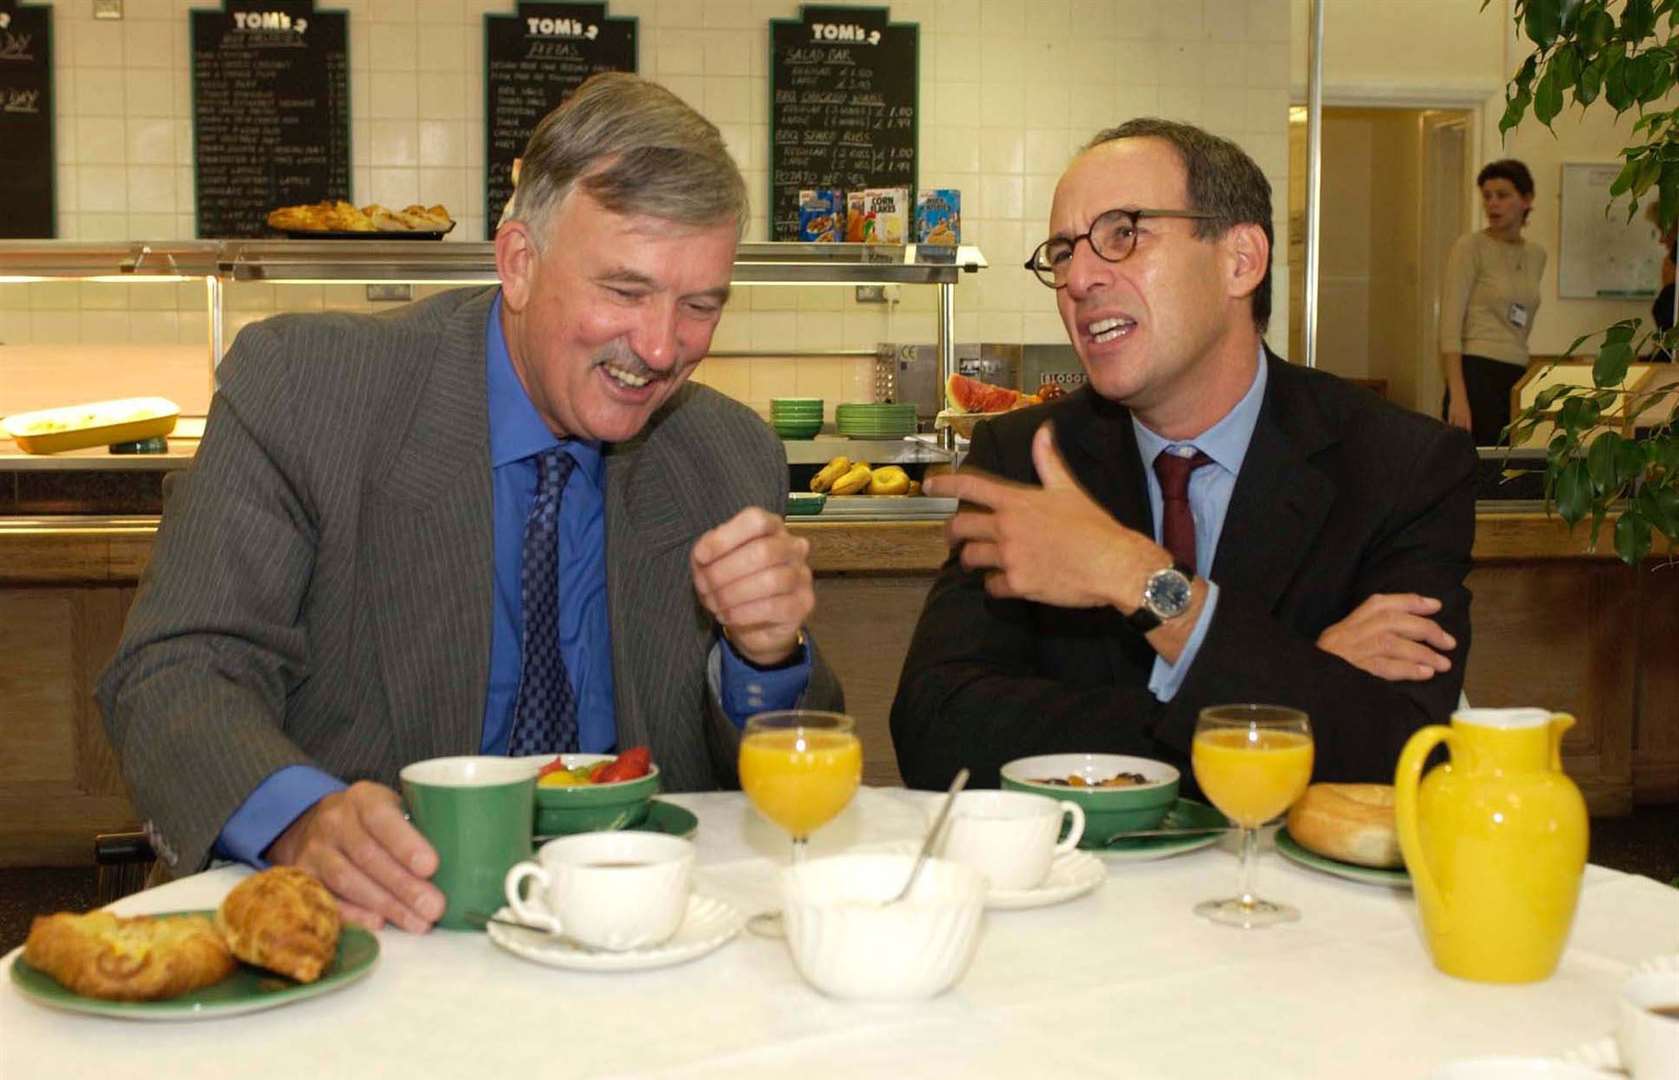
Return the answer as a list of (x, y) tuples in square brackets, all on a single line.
[(284, 920), (145, 958)]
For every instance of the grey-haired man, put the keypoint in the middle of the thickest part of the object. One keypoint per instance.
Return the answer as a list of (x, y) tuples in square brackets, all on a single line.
[(494, 521)]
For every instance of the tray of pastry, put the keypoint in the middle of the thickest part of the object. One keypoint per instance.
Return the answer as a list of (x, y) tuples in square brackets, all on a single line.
[(97, 423), (335, 219)]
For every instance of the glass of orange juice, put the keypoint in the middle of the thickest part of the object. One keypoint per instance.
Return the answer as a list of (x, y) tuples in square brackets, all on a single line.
[(1252, 761), (800, 768)]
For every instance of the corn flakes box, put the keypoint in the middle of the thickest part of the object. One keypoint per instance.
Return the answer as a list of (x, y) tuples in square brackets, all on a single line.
[(821, 215), (885, 215), (938, 216)]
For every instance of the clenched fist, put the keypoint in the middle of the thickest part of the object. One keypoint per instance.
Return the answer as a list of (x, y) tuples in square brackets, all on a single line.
[(752, 575)]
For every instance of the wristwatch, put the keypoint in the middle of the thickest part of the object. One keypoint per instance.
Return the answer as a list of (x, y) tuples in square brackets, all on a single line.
[(1166, 595)]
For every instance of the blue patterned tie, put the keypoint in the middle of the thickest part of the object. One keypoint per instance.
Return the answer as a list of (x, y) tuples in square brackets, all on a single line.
[(545, 711)]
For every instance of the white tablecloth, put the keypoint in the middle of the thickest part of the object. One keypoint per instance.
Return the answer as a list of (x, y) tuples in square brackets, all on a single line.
[(1126, 981)]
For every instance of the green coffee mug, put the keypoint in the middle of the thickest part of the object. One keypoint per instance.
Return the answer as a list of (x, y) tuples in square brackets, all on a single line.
[(476, 811)]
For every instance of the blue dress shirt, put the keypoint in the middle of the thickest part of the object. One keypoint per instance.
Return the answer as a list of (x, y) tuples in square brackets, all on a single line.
[(1210, 488), (517, 434)]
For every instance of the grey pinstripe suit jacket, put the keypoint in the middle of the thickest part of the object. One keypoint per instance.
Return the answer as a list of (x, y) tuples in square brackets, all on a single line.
[(321, 588)]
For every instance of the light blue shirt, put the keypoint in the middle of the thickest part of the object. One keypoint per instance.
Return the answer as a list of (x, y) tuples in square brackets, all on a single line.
[(517, 434), (1210, 488)]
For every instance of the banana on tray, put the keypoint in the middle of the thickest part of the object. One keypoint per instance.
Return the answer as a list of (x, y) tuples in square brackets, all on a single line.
[(824, 479), (842, 476), (856, 480)]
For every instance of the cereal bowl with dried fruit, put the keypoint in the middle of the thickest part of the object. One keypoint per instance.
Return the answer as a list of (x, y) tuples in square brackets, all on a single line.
[(594, 792), (1117, 793)]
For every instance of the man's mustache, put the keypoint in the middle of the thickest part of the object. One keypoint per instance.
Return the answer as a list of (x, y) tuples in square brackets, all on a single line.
[(622, 357)]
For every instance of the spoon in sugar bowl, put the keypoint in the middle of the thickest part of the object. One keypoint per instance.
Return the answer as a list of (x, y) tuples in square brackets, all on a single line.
[(956, 785)]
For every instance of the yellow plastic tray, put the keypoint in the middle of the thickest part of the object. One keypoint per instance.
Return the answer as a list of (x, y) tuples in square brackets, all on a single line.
[(98, 423), (962, 422)]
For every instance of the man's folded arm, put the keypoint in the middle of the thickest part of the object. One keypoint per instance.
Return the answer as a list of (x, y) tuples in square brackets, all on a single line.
[(1360, 721)]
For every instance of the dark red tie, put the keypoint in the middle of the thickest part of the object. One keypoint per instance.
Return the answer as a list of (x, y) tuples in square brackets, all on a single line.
[(1177, 524)]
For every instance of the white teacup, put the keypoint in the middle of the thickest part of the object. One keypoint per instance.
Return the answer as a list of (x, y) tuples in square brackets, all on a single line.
[(608, 890), (1009, 836), (1648, 1040)]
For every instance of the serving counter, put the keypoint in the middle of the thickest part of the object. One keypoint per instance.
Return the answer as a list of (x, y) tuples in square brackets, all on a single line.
[(1553, 626)]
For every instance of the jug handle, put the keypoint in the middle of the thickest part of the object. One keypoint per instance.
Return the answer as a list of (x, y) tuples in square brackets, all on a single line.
[(1560, 723), (1405, 782)]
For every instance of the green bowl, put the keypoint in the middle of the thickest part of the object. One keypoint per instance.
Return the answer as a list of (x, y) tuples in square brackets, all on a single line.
[(1106, 810), (798, 431), (593, 807)]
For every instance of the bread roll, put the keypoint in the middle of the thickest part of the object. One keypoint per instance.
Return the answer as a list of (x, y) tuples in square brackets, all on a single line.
[(145, 958), (1349, 822), (284, 920)]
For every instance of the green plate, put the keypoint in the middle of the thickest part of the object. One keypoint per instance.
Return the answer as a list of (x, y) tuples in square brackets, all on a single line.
[(662, 817), (1184, 814), (1289, 848), (248, 989)]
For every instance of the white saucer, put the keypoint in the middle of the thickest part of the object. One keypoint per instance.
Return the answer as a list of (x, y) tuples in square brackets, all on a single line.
[(1601, 1054), (708, 924), (1070, 875)]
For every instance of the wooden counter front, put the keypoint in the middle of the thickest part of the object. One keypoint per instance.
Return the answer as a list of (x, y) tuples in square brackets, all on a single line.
[(1553, 626)]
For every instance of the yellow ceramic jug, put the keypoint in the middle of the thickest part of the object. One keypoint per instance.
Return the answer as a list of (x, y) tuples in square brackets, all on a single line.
[(1495, 842)]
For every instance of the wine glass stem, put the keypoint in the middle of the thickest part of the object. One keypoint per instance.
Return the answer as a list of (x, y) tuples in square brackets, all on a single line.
[(799, 843), (1250, 848)]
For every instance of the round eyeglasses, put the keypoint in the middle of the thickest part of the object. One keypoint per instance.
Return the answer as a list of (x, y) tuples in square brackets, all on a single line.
[(1112, 236)]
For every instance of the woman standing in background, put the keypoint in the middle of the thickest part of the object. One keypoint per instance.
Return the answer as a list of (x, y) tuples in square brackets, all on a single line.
[(1490, 298)]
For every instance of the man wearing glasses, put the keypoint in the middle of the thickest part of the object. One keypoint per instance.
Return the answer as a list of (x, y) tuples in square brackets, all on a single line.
[(1203, 523)]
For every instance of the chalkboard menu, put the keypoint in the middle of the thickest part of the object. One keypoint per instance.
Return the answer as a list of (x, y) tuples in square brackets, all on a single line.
[(534, 60), (843, 97), (26, 114), (270, 111)]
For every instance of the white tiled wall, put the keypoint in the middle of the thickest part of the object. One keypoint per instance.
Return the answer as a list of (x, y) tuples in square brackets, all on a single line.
[(1009, 89)]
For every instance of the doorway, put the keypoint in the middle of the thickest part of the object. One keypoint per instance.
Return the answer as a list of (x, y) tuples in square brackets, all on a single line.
[(1395, 197)]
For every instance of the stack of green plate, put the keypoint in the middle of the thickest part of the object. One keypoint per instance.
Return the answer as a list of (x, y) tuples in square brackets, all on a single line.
[(796, 417), (883, 420)]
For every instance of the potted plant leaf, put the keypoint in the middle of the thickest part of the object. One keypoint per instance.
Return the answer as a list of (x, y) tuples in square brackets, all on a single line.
[(1584, 51)]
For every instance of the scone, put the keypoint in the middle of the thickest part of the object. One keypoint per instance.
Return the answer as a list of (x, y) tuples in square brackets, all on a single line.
[(426, 218), (284, 920), (385, 219), (145, 958)]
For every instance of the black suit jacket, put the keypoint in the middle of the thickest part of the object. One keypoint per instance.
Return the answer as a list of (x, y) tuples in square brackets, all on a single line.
[(1341, 495)]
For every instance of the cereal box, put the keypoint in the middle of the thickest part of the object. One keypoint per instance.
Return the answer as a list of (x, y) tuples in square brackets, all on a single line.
[(938, 216), (854, 216), (885, 215), (821, 215)]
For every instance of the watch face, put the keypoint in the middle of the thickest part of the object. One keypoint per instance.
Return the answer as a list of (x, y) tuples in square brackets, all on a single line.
[(1167, 594)]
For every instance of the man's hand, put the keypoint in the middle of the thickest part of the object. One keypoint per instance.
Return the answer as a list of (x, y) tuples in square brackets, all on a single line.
[(1391, 636), (1055, 544), (360, 845), (752, 575)]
